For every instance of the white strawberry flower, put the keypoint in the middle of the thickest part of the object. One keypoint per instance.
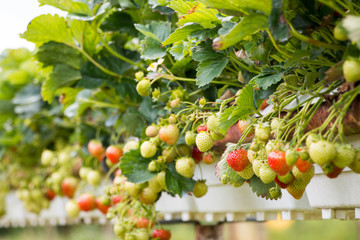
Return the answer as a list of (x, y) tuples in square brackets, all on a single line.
[(154, 65)]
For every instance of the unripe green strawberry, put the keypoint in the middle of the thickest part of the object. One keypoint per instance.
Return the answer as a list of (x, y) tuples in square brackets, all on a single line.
[(154, 185), (345, 155), (296, 188), (175, 103), (148, 149), (275, 192), (151, 131), (247, 173), (312, 138), (169, 154), (287, 178), (132, 189), (275, 125), (351, 70), (184, 150), (139, 75), (47, 157), (266, 174), (291, 156), (262, 131), (131, 145), (153, 166), (200, 189), (172, 119), (204, 142), (202, 102), (251, 155), (304, 155), (190, 138), (169, 134), (355, 165), (148, 195), (270, 146), (256, 165), (185, 166), (213, 123), (340, 32), (322, 152), (306, 176), (160, 179), (216, 136), (143, 87)]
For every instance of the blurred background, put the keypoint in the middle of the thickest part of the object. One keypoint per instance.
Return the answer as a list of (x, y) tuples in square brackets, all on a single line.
[(270, 230)]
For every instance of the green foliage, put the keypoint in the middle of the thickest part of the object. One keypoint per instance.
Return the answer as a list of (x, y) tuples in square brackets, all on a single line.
[(245, 107), (259, 188), (177, 184), (134, 167)]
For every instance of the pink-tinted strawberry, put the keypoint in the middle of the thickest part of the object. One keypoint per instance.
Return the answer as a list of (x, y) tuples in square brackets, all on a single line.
[(238, 159)]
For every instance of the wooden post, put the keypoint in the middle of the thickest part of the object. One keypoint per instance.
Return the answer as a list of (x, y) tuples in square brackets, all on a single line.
[(209, 232)]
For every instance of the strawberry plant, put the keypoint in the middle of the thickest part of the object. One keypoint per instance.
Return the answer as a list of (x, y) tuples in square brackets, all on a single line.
[(149, 89)]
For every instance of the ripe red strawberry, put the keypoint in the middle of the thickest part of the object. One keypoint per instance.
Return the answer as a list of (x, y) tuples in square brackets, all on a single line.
[(277, 162), (114, 153), (196, 154), (237, 159), (103, 208), (202, 128), (86, 202), (161, 234), (303, 166), (50, 194), (68, 186), (143, 222)]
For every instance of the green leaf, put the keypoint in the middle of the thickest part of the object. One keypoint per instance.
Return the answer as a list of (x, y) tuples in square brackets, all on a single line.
[(266, 79), (76, 7), (135, 167), (182, 7), (210, 69), (202, 15), (85, 35), (277, 23), (249, 25), (296, 57), (181, 33), (205, 52), (156, 30), (46, 28), (245, 107), (240, 5), (179, 50), (259, 188), (62, 75), (120, 22), (151, 49), (6, 106), (177, 184), (53, 53)]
